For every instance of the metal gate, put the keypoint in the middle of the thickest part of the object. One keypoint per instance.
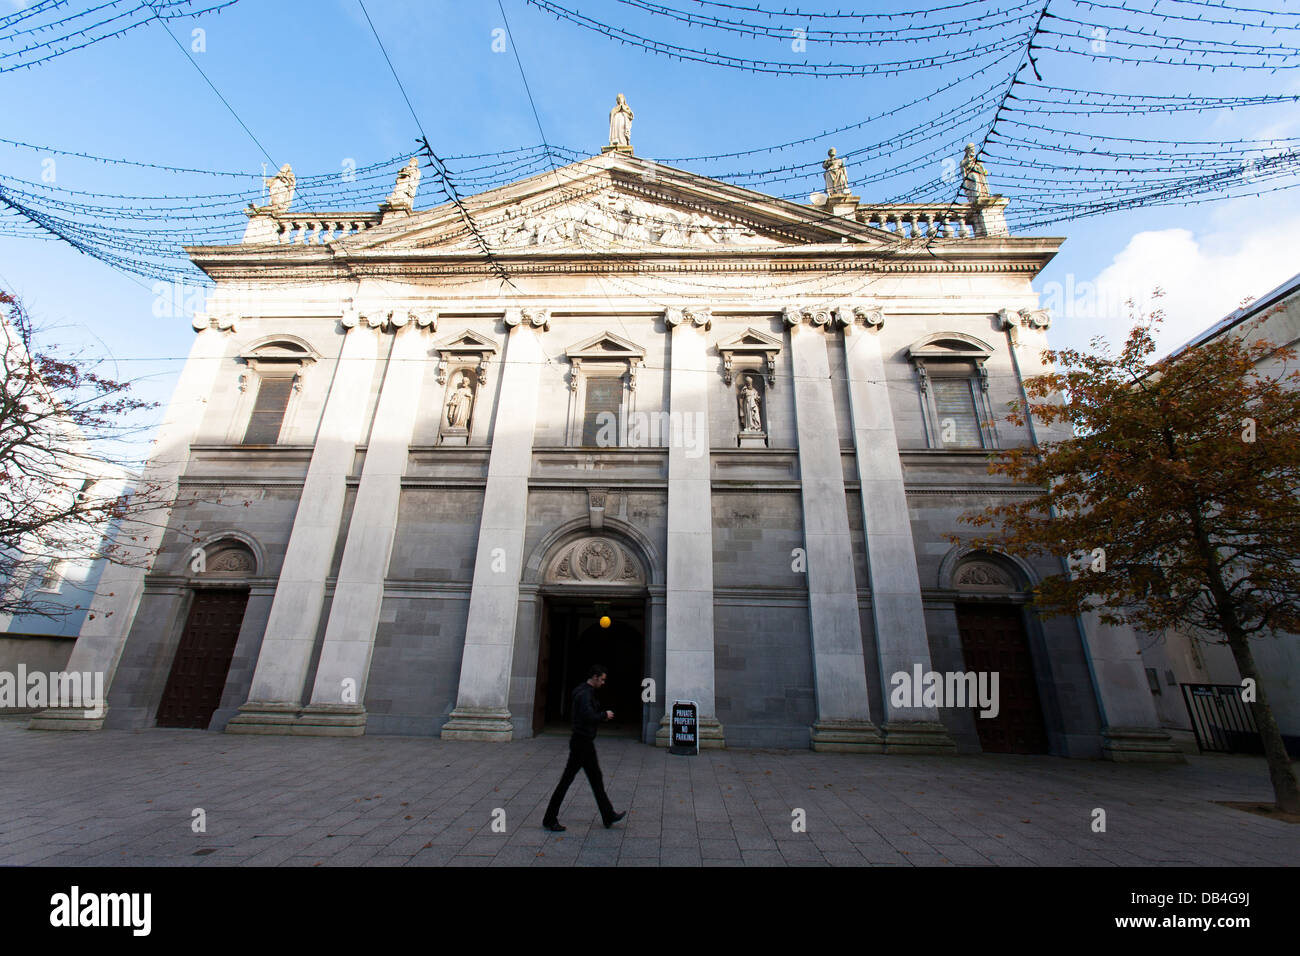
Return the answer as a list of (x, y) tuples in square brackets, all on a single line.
[(1223, 722)]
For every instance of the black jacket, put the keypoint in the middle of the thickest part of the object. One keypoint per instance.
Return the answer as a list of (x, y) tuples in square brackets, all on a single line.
[(587, 712)]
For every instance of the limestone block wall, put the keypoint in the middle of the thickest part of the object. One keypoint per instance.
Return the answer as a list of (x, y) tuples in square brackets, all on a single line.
[(415, 669), (210, 508), (763, 647)]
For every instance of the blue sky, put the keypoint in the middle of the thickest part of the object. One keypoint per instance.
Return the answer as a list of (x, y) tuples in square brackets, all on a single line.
[(309, 81)]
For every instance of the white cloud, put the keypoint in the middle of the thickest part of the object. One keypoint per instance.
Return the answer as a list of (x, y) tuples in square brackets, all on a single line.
[(1203, 279)]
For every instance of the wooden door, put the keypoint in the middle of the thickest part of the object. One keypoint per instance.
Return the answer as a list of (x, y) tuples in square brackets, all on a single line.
[(993, 639), (202, 661)]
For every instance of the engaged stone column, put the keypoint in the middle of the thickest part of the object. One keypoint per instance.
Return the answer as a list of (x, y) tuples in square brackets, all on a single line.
[(337, 705), (1130, 729), (482, 704), (112, 612), (843, 705), (901, 640), (275, 698), (689, 673)]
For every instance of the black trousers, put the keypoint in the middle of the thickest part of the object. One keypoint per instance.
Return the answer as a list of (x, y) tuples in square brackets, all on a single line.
[(582, 756)]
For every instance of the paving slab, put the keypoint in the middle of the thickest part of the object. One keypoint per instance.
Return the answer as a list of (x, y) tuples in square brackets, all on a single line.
[(117, 798)]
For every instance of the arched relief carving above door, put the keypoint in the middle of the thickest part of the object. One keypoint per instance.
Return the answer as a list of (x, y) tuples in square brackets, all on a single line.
[(983, 576), (984, 572), (227, 555), (594, 559)]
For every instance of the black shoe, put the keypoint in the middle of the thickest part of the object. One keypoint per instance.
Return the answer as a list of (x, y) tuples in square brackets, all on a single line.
[(614, 819), (555, 826)]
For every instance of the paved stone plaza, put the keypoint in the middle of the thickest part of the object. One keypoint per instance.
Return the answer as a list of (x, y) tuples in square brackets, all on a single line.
[(114, 797)]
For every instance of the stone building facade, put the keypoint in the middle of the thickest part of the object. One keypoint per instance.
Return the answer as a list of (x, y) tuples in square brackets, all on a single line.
[(741, 429)]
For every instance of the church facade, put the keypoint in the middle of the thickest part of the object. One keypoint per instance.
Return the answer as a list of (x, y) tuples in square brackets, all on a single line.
[(429, 465)]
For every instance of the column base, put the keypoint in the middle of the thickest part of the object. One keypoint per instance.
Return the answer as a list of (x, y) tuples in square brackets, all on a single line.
[(1139, 745), (847, 736), (918, 737), (711, 735), (66, 718), (264, 717), (331, 720), (479, 723)]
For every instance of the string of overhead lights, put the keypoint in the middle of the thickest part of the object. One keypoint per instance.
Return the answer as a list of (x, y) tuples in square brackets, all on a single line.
[(777, 67), (1052, 173), (894, 32), (80, 29)]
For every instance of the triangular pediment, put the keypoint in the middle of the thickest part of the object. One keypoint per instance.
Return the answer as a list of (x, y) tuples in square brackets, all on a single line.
[(616, 203), (750, 340), (605, 345), (466, 341)]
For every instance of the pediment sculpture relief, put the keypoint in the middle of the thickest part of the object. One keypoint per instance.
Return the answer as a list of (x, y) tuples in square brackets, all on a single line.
[(618, 218)]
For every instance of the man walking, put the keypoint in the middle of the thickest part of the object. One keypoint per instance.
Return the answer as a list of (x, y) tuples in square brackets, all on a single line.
[(582, 752)]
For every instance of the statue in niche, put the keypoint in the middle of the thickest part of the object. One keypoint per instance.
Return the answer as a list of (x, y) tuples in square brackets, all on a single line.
[(280, 186), (751, 416), (837, 177), (460, 404), (975, 178), (408, 181), (620, 123)]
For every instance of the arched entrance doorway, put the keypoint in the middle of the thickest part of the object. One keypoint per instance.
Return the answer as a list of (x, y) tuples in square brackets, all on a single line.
[(994, 640), (585, 580), (220, 572)]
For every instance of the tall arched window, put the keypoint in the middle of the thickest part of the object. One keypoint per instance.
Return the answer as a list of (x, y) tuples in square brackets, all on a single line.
[(273, 380), (954, 390)]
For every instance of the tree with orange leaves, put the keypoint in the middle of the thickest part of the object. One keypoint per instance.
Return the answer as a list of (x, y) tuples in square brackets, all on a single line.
[(1185, 472)]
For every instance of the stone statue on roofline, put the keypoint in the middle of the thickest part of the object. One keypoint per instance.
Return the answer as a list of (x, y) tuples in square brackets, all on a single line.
[(280, 186), (620, 127), (408, 181), (837, 176), (975, 178)]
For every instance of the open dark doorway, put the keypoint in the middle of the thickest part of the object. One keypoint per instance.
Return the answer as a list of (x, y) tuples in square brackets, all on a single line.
[(571, 641)]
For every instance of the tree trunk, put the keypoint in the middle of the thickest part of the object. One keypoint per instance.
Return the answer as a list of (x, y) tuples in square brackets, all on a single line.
[(1285, 790)]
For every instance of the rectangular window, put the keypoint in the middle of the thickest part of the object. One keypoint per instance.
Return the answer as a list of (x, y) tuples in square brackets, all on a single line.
[(52, 580), (600, 417), (268, 411), (954, 406)]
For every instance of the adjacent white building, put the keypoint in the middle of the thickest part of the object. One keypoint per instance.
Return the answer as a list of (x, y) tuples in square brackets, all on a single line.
[(1179, 657)]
